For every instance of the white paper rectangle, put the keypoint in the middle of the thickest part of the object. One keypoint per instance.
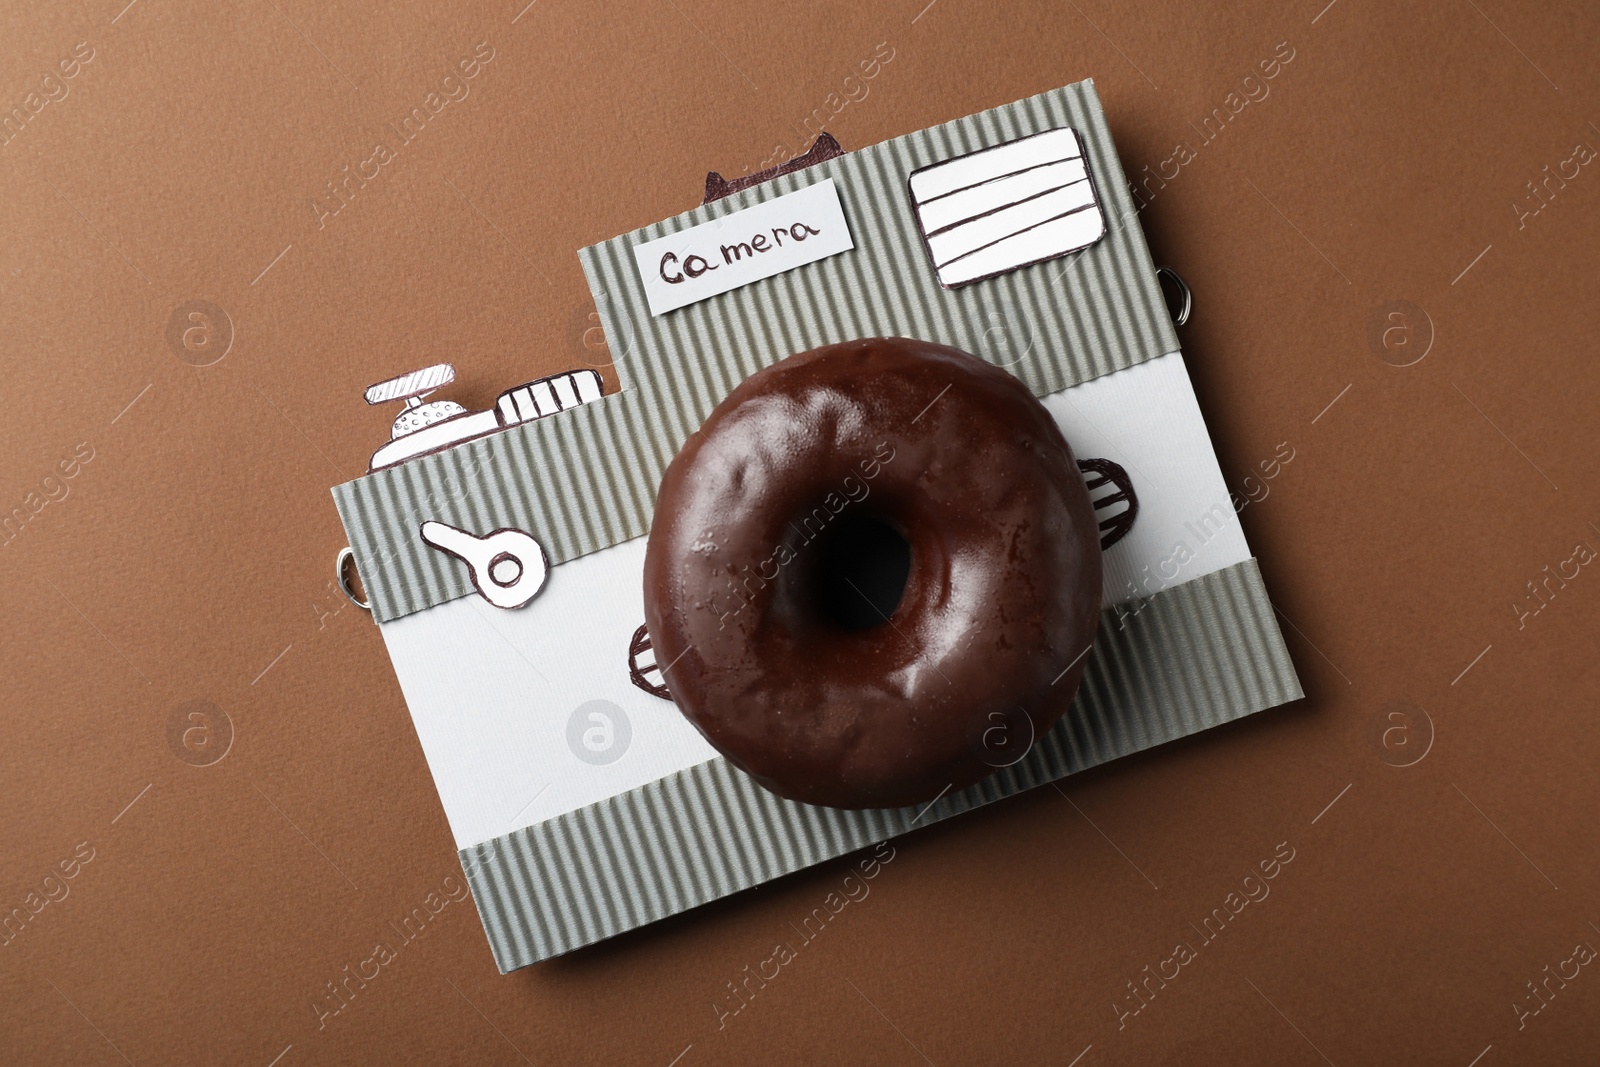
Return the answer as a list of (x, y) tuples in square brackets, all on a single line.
[(1006, 207), (504, 701), (761, 241)]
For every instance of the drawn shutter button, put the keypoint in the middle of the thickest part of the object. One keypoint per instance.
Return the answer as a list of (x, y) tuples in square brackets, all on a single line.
[(508, 566)]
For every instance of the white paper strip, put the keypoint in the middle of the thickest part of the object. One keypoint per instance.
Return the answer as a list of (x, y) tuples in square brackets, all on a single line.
[(495, 694)]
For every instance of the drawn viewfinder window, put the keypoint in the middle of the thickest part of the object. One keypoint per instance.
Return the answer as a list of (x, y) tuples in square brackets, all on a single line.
[(1006, 207)]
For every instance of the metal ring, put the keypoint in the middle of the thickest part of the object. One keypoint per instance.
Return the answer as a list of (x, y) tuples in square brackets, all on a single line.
[(1182, 316), (347, 553)]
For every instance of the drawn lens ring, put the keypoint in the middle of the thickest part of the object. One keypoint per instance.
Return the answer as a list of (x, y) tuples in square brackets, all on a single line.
[(505, 570)]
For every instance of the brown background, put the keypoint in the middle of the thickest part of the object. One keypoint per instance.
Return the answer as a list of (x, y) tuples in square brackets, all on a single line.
[(190, 559)]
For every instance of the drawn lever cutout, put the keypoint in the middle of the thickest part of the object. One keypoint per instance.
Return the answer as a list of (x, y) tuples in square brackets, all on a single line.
[(508, 566)]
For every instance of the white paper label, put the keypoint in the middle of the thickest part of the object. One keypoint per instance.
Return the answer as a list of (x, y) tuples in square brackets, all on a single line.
[(721, 255)]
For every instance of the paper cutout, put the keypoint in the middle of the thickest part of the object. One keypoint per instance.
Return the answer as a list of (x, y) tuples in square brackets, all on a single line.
[(1104, 472), (1206, 648), (1006, 207), (749, 245), (640, 673), (425, 428), (824, 148), (508, 567)]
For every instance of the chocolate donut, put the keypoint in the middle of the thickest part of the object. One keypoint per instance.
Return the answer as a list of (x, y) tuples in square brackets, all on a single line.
[(873, 574)]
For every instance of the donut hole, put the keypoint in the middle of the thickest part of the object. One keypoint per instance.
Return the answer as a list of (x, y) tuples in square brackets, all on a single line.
[(862, 563)]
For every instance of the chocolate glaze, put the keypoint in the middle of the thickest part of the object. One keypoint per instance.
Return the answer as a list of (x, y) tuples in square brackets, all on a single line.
[(987, 644)]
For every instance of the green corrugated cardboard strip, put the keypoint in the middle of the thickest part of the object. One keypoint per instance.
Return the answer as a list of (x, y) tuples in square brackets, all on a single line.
[(1195, 656), (586, 479)]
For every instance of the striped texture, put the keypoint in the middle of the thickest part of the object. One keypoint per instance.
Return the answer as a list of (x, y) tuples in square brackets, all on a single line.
[(586, 479), (1195, 656), (1006, 207)]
